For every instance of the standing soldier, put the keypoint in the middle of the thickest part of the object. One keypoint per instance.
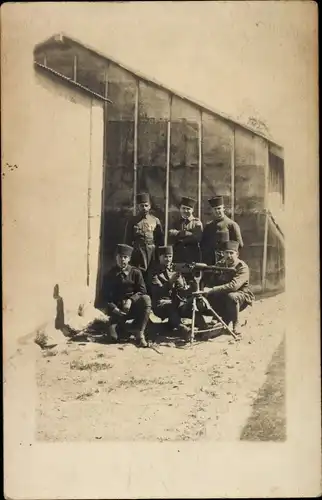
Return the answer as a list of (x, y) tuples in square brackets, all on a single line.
[(211, 238), (186, 234), (125, 297), (144, 232)]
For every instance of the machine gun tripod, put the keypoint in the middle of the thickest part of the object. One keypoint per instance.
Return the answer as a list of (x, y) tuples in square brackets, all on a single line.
[(197, 269)]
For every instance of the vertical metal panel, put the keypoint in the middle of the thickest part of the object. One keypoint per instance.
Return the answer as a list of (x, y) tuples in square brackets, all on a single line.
[(232, 163), (105, 146), (266, 220), (166, 228), (135, 146), (199, 164), (89, 193)]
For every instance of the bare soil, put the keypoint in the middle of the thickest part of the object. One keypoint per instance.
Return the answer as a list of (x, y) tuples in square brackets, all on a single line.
[(217, 389)]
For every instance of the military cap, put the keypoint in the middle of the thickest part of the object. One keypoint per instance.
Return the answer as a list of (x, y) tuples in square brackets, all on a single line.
[(143, 198), (230, 245), (217, 201), (188, 202), (166, 250), (124, 250)]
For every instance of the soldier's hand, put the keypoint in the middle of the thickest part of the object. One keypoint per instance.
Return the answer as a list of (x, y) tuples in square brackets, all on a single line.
[(126, 305), (164, 302), (173, 232), (120, 313)]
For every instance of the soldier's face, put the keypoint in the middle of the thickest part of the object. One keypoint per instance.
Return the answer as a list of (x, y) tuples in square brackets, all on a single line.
[(185, 211), (122, 260), (231, 257), (218, 212), (166, 260), (144, 208)]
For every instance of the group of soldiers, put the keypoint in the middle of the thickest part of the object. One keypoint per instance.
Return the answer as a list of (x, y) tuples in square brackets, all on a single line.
[(145, 277)]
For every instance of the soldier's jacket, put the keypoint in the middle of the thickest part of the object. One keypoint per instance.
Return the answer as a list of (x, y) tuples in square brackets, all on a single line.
[(163, 289), (122, 284), (233, 281), (210, 241), (185, 236), (145, 234)]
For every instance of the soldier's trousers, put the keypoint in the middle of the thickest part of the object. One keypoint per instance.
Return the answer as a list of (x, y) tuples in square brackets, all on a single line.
[(175, 313), (228, 305), (139, 312)]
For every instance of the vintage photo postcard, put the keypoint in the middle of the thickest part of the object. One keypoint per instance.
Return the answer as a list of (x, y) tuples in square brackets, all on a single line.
[(160, 250)]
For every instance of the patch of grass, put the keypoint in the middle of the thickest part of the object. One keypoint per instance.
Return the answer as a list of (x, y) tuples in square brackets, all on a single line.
[(214, 376), (41, 339), (49, 353), (91, 366), (84, 395), (134, 381)]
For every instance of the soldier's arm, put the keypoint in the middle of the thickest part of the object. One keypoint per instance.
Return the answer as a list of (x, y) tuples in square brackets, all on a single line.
[(158, 234), (237, 234), (241, 278), (109, 287), (193, 235), (139, 285)]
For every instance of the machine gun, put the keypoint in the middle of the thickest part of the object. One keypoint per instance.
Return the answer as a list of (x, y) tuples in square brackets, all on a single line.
[(197, 269)]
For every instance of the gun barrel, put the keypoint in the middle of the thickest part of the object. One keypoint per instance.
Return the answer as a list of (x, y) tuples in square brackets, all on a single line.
[(199, 266)]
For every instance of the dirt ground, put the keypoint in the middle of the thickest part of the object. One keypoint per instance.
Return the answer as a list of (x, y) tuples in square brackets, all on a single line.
[(217, 389)]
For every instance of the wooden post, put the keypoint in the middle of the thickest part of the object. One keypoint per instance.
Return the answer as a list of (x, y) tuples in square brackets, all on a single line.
[(264, 267), (232, 165), (135, 147), (199, 164), (167, 184)]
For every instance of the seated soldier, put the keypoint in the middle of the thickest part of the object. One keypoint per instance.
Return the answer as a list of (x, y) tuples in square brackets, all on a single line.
[(229, 292), (171, 296), (125, 297)]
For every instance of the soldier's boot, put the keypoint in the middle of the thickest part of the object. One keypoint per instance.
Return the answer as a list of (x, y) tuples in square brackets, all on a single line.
[(140, 337), (184, 331)]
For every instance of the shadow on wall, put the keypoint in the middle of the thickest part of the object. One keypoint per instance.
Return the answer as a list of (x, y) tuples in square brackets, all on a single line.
[(60, 314)]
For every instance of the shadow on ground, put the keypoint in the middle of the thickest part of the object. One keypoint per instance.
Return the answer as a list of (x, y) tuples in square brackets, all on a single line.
[(157, 333), (268, 418)]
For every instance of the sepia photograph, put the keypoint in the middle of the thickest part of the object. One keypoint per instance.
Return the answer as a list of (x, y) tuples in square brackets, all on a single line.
[(154, 228)]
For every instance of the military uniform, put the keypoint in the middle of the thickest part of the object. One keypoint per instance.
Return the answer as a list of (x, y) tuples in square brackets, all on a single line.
[(171, 295), (211, 237), (185, 236), (121, 286), (144, 232), (229, 290)]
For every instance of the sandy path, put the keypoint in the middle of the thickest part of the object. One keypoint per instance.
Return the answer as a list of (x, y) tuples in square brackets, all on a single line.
[(93, 391)]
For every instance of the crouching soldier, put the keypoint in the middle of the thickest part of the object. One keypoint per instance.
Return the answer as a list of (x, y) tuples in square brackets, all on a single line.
[(229, 293), (126, 298), (171, 295)]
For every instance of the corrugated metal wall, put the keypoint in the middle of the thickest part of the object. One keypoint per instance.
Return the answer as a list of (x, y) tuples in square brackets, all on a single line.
[(158, 142)]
